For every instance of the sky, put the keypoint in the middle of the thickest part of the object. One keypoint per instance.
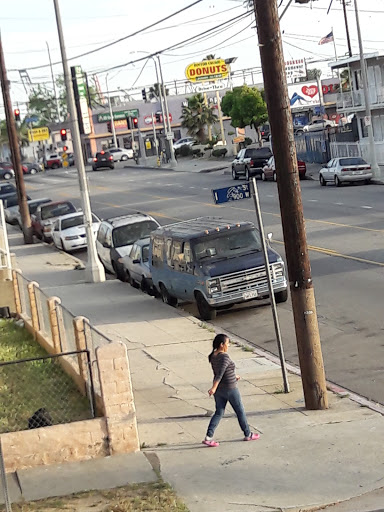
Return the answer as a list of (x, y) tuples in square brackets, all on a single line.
[(27, 26)]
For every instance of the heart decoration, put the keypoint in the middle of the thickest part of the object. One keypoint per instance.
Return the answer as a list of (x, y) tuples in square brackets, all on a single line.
[(310, 91)]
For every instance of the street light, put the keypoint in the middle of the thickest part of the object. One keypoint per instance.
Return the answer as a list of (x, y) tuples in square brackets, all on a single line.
[(111, 113)]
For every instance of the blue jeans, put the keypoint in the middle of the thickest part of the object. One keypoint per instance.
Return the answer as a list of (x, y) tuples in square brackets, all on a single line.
[(234, 398)]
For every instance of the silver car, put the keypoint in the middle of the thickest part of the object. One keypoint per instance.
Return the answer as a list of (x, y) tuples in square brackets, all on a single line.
[(12, 213), (136, 266), (345, 170)]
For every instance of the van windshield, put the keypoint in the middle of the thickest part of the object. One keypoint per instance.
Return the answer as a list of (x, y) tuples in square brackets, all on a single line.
[(227, 245), (128, 234)]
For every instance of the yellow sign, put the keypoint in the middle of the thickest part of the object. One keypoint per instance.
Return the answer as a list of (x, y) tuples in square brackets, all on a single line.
[(148, 144), (208, 70), (37, 134), (64, 156)]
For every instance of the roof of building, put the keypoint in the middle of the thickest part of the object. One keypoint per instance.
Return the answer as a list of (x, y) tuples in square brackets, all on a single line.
[(342, 63)]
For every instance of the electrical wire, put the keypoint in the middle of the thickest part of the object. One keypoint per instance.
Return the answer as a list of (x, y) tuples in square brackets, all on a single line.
[(302, 49), (139, 75), (120, 39)]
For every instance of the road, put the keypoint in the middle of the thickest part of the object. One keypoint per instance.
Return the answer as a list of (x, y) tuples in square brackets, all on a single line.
[(345, 233)]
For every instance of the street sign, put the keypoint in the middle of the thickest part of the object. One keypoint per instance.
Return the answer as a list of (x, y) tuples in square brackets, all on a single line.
[(31, 119), (122, 114), (217, 86), (81, 99), (64, 156), (37, 134), (234, 193), (148, 144)]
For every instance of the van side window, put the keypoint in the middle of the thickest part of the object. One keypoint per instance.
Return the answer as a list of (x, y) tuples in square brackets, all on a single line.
[(157, 251), (176, 254), (169, 251)]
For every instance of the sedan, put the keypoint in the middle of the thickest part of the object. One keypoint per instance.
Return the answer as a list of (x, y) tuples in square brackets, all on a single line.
[(345, 170), (136, 266), (269, 170), (32, 167), (121, 155), (186, 141), (6, 173), (69, 231)]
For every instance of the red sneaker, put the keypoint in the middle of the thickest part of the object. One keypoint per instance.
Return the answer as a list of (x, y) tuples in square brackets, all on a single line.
[(252, 437), (211, 443)]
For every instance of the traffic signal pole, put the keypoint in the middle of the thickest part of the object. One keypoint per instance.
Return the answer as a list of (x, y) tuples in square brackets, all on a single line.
[(15, 152), (291, 207), (111, 114), (94, 271)]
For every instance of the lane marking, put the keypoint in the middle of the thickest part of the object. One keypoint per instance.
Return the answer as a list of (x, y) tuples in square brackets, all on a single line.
[(312, 200), (330, 252), (157, 214), (367, 207), (339, 204)]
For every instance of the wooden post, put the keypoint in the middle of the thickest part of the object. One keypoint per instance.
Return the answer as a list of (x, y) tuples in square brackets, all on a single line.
[(81, 344), (53, 302), (32, 300), (16, 290)]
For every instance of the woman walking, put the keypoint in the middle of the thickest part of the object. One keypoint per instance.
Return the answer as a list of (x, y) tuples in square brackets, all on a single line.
[(225, 390)]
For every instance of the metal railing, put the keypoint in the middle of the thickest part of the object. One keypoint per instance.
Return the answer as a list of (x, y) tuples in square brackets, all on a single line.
[(355, 149)]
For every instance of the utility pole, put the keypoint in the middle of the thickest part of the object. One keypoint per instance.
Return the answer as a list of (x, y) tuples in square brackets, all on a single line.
[(94, 271), (368, 114), (54, 84), (169, 131), (220, 116), (291, 207), (15, 152), (347, 28), (111, 114)]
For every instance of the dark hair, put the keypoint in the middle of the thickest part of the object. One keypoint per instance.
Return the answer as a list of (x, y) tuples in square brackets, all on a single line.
[(218, 340)]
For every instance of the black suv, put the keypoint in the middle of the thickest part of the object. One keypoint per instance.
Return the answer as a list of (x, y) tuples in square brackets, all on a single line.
[(103, 160), (250, 162)]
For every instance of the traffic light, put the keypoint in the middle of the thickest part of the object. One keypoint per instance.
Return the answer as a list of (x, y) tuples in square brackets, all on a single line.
[(144, 94), (65, 148), (63, 133), (135, 122), (158, 117), (17, 114), (109, 126)]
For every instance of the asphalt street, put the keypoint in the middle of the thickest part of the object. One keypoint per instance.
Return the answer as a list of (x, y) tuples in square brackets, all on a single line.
[(345, 235)]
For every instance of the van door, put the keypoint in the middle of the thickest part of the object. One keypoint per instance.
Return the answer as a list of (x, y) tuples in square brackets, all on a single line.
[(183, 280)]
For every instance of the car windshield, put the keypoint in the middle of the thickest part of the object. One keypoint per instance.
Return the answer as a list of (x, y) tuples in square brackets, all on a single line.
[(258, 153), (128, 234), (352, 161), (56, 210), (145, 253), (72, 222), (227, 245), (6, 189)]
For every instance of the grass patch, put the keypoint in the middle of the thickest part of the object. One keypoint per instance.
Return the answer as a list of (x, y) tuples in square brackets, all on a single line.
[(28, 386), (155, 497), (279, 391), (205, 326), (245, 348)]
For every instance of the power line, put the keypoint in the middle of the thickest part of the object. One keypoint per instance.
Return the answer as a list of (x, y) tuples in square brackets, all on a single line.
[(121, 38)]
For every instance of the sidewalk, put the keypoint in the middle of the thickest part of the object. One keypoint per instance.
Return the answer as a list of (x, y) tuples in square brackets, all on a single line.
[(304, 459), (188, 165)]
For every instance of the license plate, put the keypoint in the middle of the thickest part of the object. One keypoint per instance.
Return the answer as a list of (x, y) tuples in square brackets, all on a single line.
[(250, 295), (104, 159), (357, 172)]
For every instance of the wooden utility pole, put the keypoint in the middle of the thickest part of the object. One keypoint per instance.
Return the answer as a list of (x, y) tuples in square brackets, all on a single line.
[(15, 152), (347, 28), (291, 207)]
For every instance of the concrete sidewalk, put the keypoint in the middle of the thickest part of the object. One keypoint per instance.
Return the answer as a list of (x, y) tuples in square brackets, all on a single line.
[(202, 165), (304, 459)]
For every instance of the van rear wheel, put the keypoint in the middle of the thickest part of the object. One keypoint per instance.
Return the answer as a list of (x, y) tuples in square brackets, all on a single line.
[(205, 310), (167, 298)]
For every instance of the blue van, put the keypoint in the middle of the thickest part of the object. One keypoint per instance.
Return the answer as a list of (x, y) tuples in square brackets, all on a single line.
[(214, 262)]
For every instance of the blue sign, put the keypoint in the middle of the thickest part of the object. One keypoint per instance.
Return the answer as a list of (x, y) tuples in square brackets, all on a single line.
[(31, 119), (223, 195)]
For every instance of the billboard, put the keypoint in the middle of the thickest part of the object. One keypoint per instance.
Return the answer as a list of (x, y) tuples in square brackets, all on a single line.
[(80, 90), (295, 68), (303, 95), (207, 70)]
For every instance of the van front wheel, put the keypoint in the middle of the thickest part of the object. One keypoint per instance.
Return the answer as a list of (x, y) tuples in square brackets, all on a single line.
[(205, 310), (167, 298), (281, 296)]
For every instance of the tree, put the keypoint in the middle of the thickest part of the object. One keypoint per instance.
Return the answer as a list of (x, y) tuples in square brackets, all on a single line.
[(154, 92), (196, 116), (22, 133), (246, 107), (312, 74)]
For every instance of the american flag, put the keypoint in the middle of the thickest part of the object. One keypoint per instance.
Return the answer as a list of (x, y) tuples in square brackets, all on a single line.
[(327, 39)]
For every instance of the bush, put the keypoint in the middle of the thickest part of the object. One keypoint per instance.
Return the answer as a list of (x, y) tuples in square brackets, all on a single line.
[(248, 141), (220, 152), (186, 150), (197, 153)]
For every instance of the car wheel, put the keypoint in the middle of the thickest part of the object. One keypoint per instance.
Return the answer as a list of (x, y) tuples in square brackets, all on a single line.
[(7, 176), (234, 175), (32, 171), (274, 176), (337, 181), (205, 310), (112, 167), (131, 281), (263, 176), (322, 180), (124, 157), (166, 297), (368, 181), (281, 296), (62, 246), (247, 174), (55, 166), (119, 272)]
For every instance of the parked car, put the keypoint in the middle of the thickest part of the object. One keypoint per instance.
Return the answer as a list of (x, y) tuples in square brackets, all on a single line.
[(269, 170), (318, 125), (12, 213), (250, 162), (103, 160), (213, 262), (7, 190), (69, 232), (265, 132), (116, 237), (136, 266), (120, 155), (32, 167), (6, 174), (46, 215), (71, 159), (345, 170), (185, 141), (53, 161)]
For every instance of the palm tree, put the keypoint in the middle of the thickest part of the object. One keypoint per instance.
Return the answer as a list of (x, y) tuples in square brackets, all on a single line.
[(196, 116), (154, 92), (22, 133)]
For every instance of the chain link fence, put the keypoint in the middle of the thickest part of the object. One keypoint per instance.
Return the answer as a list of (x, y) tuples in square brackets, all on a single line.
[(22, 283), (43, 314), (93, 339), (37, 392), (66, 329)]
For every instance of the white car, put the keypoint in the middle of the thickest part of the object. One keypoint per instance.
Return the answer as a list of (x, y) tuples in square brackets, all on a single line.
[(186, 141), (69, 231), (344, 170), (319, 124), (120, 155)]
